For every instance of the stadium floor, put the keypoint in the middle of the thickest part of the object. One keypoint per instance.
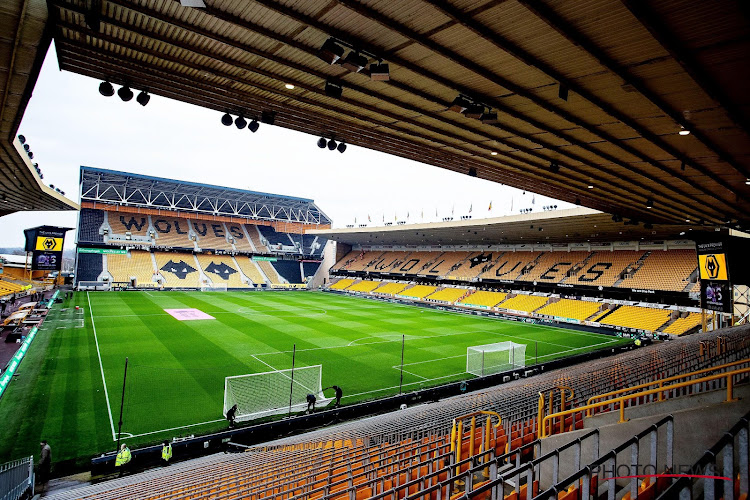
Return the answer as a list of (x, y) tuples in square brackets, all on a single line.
[(176, 369)]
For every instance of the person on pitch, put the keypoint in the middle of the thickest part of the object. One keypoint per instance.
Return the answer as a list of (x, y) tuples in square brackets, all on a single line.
[(338, 392), (231, 413), (311, 399)]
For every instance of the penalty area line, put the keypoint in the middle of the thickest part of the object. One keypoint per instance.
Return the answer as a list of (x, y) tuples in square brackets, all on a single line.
[(101, 367)]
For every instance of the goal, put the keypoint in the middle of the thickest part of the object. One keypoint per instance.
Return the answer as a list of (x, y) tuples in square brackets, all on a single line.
[(262, 394), (216, 287), (489, 359)]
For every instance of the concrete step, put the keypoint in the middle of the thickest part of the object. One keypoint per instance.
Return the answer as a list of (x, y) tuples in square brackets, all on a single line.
[(699, 422)]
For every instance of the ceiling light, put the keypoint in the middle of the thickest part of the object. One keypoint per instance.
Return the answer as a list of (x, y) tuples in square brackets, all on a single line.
[(321, 143), (494, 153), (380, 72), (472, 172), (289, 86), (459, 104), (683, 131), (687, 220), (333, 89), (253, 126), (331, 52), (354, 61), (125, 93), (591, 186), (143, 98), (106, 89), (226, 119), (747, 182), (332, 144), (240, 122), (341, 147), (649, 203)]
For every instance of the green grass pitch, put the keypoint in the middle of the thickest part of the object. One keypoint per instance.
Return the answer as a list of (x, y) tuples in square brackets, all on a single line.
[(177, 368)]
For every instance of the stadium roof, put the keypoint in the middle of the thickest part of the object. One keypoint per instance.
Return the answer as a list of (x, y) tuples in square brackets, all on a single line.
[(24, 39), (590, 95), (557, 226), (122, 188)]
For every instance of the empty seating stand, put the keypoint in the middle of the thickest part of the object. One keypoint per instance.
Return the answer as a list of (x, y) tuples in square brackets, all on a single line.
[(289, 270), (89, 266), (90, 223)]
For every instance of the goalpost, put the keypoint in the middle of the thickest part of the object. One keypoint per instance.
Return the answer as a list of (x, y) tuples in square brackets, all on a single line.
[(262, 394), (489, 359), (216, 287)]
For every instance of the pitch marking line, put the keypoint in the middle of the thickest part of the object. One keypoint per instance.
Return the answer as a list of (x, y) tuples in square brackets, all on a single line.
[(101, 367)]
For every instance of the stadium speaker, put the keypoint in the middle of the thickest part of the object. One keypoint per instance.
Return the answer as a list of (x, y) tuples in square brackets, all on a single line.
[(253, 126), (332, 144), (143, 98), (474, 111), (226, 119), (125, 93), (106, 89), (331, 52), (322, 143), (459, 104), (240, 122), (341, 147), (334, 89), (472, 172), (554, 167), (380, 72), (354, 62), (268, 117)]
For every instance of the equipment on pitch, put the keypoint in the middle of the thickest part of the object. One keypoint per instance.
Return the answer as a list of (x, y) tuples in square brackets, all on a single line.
[(489, 359), (262, 394), (216, 287)]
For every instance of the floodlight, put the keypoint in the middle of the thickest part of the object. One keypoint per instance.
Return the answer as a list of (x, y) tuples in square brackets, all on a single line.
[(125, 93), (472, 172), (26, 147), (226, 119), (332, 144), (331, 52), (253, 126), (22, 139), (341, 147), (143, 98), (240, 122), (322, 143), (106, 89)]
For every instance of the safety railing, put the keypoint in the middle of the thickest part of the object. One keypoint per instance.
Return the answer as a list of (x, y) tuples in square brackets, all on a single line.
[(715, 471), (17, 478), (661, 382), (545, 427), (607, 469)]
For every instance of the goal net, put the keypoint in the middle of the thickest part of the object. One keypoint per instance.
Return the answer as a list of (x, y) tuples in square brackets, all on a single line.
[(216, 287), (489, 359), (262, 394)]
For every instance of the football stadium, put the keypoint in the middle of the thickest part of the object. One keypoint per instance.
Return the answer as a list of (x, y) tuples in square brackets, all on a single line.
[(211, 341)]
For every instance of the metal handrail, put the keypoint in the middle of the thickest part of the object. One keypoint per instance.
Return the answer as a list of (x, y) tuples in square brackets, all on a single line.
[(660, 382), (622, 399)]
